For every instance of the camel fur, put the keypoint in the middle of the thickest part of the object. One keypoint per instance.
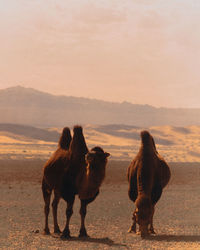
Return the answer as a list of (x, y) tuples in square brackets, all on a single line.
[(52, 177), (83, 177), (75, 171), (148, 174)]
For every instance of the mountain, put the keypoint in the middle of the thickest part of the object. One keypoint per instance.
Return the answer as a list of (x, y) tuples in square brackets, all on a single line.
[(30, 132), (19, 105)]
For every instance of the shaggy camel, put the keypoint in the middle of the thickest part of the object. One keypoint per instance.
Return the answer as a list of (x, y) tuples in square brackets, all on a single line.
[(52, 176), (148, 174), (83, 180), (80, 172)]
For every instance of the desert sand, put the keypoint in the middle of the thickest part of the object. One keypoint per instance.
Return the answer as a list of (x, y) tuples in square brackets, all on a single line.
[(175, 144), (177, 215)]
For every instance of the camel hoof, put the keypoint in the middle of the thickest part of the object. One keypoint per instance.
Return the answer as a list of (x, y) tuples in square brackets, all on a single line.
[(46, 232), (65, 235), (57, 231), (132, 230), (83, 233), (151, 231), (144, 235)]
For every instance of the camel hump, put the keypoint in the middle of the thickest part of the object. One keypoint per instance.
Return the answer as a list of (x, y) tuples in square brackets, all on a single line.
[(78, 137), (65, 138), (146, 137), (78, 130), (78, 145)]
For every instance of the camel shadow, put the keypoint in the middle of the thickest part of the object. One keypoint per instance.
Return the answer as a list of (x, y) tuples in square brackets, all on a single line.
[(105, 241), (175, 238)]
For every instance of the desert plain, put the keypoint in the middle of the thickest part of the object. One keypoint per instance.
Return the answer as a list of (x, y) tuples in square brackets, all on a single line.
[(177, 215)]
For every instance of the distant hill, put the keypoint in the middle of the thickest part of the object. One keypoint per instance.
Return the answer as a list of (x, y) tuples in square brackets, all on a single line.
[(19, 105), (176, 144), (30, 132)]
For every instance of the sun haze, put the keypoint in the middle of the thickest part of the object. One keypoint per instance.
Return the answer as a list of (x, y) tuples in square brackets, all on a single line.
[(141, 51)]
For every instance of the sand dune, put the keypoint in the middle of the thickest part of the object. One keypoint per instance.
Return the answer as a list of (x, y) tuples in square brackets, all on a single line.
[(176, 144)]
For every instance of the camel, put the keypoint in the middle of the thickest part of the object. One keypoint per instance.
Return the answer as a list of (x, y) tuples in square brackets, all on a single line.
[(147, 174), (84, 182), (52, 176), (82, 172)]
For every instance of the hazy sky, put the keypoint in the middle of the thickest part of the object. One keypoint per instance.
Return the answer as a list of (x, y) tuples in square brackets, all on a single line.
[(141, 51)]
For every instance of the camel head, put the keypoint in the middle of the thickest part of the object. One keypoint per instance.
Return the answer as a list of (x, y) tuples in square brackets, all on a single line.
[(97, 157), (90, 183), (143, 214)]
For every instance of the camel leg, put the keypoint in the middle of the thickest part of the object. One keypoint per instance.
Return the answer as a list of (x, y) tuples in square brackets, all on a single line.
[(83, 211), (69, 212), (151, 229), (47, 196), (132, 229), (55, 208)]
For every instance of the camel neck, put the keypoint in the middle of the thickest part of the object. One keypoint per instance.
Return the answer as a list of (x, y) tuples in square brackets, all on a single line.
[(145, 174), (95, 172), (91, 181)]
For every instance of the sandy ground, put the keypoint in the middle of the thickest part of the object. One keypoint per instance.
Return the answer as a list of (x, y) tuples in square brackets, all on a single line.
[(177, 215)]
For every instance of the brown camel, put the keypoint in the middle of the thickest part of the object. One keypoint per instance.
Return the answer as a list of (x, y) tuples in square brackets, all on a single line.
[(82, 174), (148, 174), (84, 181), (52, 175)]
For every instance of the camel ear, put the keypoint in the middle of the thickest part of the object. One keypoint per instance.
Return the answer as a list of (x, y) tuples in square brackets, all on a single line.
[(106, 154)]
